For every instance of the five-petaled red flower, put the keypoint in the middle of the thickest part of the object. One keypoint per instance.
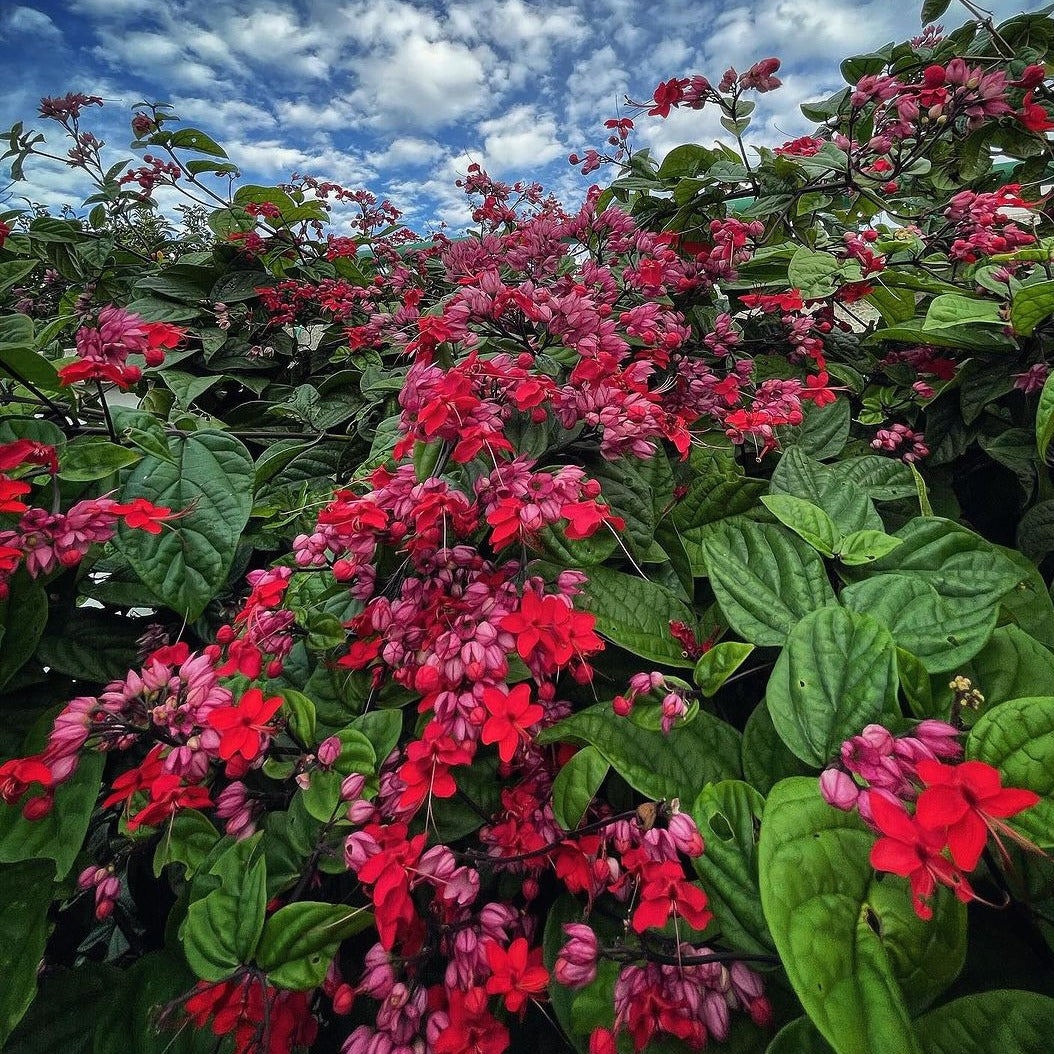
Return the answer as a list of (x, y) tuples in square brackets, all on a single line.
[(143, 515), (914, 852), (517, 972), (243, 728), (549, 630), (964, 802), (664, 889), (511, 715)]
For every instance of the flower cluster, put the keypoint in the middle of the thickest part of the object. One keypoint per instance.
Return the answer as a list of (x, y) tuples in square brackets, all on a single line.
[(956, 806)]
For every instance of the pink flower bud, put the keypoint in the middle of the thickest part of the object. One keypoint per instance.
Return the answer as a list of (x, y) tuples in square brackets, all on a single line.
[(838, 789), (351, 786), (685, 834)]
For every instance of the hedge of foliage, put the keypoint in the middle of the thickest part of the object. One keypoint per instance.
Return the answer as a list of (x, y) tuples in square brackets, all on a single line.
[(620, 628)]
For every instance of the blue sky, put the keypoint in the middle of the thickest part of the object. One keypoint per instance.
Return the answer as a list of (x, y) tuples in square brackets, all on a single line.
[(400, 97)]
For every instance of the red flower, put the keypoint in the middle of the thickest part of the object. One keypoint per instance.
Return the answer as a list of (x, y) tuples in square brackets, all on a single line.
[(159, 335), (26, 451), (93, 370), (5, 230), (511, 715), (964, 802), (789, 301), (1033, 116), (585, 517), (427, 768), (243, 728), (550, 632), (472, 1029), (143, 515), (913, 852), (137, 779), (17, 775), (664, 890), (9, 557), (517, 973), (668, 94), (167, 796), (10, 491)]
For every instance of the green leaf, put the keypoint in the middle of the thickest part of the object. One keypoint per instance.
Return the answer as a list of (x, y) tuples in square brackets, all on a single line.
[(951, 310), (576, 784), (864, 547), (807, 520), (25, 896), (299, 711), (195, 139), (187, 387), (31, 366), (812, 272), (1030, 306), (89, 458), (321, 798), (639, 490), (299, 941), (764, 578), (222, 928), (837, 673), (728, 816), (90, 645), (1017, 737), (1012, 665), (12, 271), (964, 568), (209, 478), (816, 886), (1045, 418), (23, 617), (382, 728), (882, 478), (933, 9), (998, 1022), (841, 496), (635, 614), (16, 331), (60, 834), (766, 759), (718, 664), (798, 1037), (661, 767), (942, 636), (55, 1020), (187, 838), (823, 431)]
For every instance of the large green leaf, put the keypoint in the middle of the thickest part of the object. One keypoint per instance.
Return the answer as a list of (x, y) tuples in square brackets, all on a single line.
[(299, 941), (841, 494), (1012, 665), (837, 673), (635, 613), (25, 896), (1045, 418), (56, 1020), (661, 767), (209, 478), (728, 815), (999, 1022), (23, 616), (1031, 304), (941, 635), (640, 491), (765, 578), (59, 835), (1017, 737), (964, 568), (766, 759), (839, 937), (575, 785), (91, 645), (223, 927)]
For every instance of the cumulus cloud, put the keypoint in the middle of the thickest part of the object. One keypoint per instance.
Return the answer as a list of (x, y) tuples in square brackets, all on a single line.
[(520, 140)]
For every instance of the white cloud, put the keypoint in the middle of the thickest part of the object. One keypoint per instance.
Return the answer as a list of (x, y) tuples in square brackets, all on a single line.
[(29, 21), (423, 83), (406, 150), (520, 141)]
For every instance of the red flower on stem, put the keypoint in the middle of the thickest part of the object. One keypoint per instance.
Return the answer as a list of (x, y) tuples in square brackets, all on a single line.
[(167, 796), (143, 515), (517, 972), (512, 714), (243, 728), (964, 802), (665, 890), (914, 852), (549, 630)]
